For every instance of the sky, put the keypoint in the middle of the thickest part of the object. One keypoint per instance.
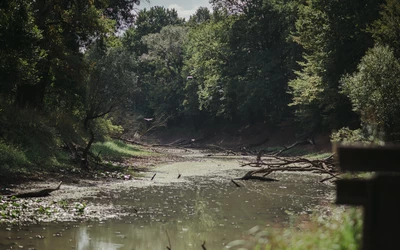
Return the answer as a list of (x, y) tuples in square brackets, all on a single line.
[(185, 8)]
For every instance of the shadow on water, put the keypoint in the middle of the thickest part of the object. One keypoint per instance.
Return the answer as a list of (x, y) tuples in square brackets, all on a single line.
[(187, 213)]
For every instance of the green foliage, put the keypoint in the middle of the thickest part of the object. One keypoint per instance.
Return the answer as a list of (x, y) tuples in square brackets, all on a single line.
[(110, 83), (339, 230), (13, 160), (346, 136), (80, 207), (30, 134), (165, 83), (207, 52), (240, 64), (149, 22), (201, 15), (333, 34), (385, 30), (374, 90), (19, 52), (103, 128)]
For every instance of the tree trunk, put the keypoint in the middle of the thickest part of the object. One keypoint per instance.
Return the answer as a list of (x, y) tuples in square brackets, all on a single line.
[(85, 154)]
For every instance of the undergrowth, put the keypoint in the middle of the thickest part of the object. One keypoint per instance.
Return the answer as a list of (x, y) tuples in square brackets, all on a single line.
[(340, 229), (28, 143), (32, 142)]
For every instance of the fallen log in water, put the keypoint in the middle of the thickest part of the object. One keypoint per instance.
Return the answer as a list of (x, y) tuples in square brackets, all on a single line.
[(36, 193)]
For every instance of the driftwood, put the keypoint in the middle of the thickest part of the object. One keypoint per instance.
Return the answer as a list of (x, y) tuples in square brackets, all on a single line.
[(250, 176), (213, 146), (37, 193), (203, 246), (298, 143), (270, 164)]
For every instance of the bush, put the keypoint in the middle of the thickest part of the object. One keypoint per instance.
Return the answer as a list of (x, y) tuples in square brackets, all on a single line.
[(338, 229), (374, 91), (347, 136)]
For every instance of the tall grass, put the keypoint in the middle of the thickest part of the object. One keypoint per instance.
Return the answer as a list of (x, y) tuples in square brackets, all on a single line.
[(117, 150), (340, 230), (12, 160)]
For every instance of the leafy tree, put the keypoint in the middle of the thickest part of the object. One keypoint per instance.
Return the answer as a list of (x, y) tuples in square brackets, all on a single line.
[(149, 22), (241, 63), (53, 34), (19, 53), (108, 86), (201, 15), (110, 82), (386, 29), (207, 52), (374, 91), (333, 34), (165, 54)]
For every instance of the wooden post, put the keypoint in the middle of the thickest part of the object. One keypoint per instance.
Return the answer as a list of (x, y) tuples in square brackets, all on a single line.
[(379, 196)]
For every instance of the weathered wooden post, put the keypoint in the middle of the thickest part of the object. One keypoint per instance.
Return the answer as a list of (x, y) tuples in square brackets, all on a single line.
[(379, 196)]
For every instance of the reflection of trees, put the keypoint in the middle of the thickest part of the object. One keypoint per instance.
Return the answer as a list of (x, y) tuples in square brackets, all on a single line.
[(104, 239), (201, 208)]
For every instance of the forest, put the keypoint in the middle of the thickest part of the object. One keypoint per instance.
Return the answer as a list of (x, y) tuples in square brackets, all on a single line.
[(73, 73)]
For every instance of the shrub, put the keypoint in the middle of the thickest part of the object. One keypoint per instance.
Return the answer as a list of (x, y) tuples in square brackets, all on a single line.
[(374, 91)]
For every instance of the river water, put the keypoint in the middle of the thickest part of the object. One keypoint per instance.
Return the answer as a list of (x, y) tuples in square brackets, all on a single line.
[(182, 214)]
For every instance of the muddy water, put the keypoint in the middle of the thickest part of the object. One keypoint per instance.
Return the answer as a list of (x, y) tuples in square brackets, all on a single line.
[(185, 212)]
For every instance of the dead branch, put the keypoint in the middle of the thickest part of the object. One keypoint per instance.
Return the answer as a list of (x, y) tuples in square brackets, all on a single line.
[(169, 241), (298, 143), (236, 184), (203, 246), (227, 151), (272, 164)]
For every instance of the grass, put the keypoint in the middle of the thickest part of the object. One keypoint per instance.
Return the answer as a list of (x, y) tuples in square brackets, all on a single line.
[(340, 230), (117, 150), (13, 160)]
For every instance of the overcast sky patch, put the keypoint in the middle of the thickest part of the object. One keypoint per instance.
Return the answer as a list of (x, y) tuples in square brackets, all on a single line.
[(185, 8)]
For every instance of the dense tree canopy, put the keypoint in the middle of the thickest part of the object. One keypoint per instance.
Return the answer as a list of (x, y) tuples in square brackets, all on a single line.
[(328, 64), (334, 37)]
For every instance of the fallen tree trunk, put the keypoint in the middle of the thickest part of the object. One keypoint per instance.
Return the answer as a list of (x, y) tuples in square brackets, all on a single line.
[(298, 143), (37, 193), (272, 164)]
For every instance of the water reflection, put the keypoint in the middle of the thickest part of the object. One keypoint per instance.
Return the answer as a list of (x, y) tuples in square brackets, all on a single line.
[(186, 213)]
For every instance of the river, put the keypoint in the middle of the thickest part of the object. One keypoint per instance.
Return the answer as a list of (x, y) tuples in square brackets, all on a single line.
[(202, 205)]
